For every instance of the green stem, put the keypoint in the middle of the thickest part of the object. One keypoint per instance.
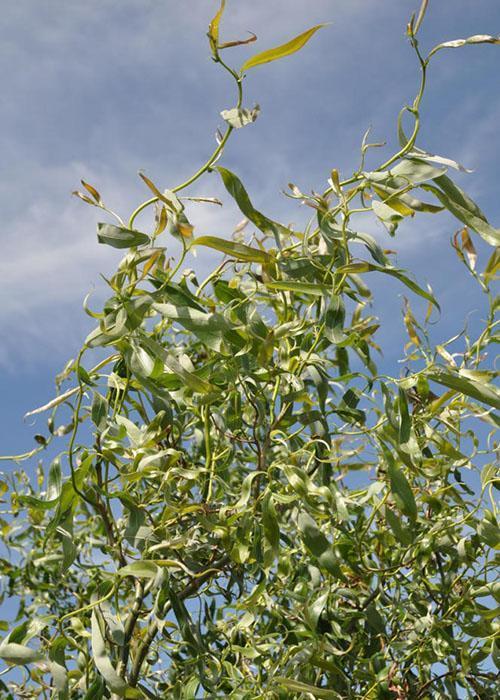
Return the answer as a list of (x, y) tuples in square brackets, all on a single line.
[(204, 168), (411, 142)]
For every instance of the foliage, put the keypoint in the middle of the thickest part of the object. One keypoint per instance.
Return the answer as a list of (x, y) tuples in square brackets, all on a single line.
[(245, 507)]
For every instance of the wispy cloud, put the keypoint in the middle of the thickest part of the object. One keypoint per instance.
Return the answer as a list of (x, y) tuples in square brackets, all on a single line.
[(101, 89)]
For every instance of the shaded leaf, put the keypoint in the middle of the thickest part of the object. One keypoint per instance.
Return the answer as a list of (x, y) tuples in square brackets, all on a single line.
[(102, 660), (119, 237), (463, 208), (235, 188), (299, 687), (99, 410), (401, 490), (361, 267)]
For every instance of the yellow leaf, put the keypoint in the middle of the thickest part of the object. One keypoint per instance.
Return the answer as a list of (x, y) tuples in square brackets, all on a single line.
[(281, 51), (213, 28)]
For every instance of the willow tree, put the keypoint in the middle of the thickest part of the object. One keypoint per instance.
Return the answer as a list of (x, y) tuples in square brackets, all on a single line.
[(200, 534)]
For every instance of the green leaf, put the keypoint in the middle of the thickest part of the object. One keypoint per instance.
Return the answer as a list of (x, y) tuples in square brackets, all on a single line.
[(141, 362), (407, 439), (119, 237), (481, 391), (211, 329), (412, 204), (281, 51), (235, 188), (18, 655), (318, 545), (490, 533), (65, 530), (463, 208), (317, 290), (299, 687), (313, 611), (361, 267), (54, 480), (239, 251), (188, 629), (57, 665), (270, 524), (401, 533), (99, 411), (408, 171), (140, 569), (313, 538), (102, 660), (190, 379), (246, 489), (401, 490)]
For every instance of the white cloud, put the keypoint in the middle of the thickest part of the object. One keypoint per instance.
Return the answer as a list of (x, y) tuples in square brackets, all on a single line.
[(103, 88)]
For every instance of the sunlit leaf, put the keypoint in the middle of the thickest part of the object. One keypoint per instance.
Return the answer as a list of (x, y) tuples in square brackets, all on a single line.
[(213, 28), (239, 117), (481, 391), (239, 251), (281, 51), (18, 655), (457, 43)]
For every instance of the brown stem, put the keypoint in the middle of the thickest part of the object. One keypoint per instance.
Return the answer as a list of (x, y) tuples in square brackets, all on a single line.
[(189, 590), (129, 628)]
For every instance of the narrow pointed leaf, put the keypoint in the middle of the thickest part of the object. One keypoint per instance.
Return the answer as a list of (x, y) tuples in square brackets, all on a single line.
[(398, 274), (102, 660), (482, 391), (235, 188), (239, 251), (403, 495), (281, 51), (213, 27), (300, 687)]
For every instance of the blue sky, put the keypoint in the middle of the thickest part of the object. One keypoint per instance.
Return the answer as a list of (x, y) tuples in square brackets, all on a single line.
[(104, 88)]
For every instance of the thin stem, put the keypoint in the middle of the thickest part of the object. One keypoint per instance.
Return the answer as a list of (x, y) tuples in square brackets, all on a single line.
[(189, 590), (204, 168)]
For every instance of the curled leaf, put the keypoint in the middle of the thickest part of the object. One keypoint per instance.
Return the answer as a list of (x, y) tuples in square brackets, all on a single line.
[(457, 43), (169, 198), (102, 660), (467, 247), (239, 42), (240, 116), (119, 237), (93, 192)]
